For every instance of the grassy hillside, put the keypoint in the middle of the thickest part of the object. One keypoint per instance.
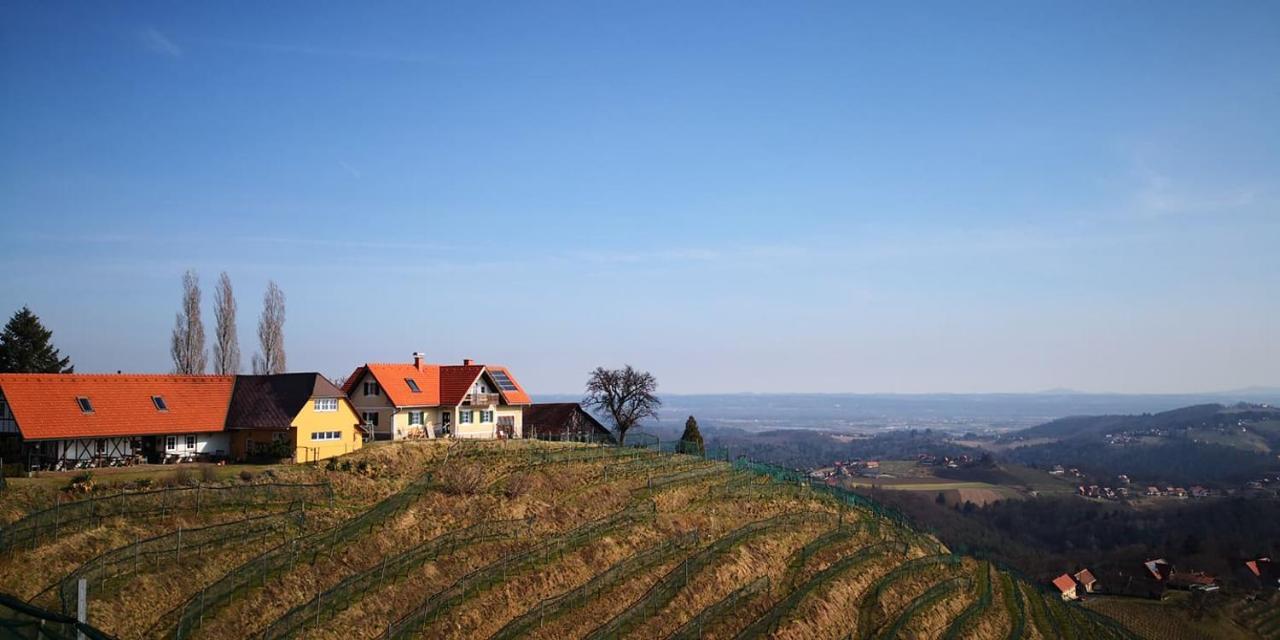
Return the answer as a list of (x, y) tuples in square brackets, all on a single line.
[(518, 539)]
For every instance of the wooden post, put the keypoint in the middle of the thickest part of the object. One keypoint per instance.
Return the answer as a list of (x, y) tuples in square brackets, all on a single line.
[(82, 604)]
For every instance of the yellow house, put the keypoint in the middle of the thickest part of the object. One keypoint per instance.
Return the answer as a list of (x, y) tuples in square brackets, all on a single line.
[(301, 416)]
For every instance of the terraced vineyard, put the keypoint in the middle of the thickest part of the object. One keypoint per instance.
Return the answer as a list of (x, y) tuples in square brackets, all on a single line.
[(533, 540)]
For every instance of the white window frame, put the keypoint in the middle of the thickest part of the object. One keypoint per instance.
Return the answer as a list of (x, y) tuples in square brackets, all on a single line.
[(466, 416), (369, 418), (486, 417), (170, 443), (326, 405), (416, 418), (191, 442)]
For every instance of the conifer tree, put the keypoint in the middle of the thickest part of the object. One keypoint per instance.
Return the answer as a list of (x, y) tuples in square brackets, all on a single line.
[(25, 347), (691, 441)]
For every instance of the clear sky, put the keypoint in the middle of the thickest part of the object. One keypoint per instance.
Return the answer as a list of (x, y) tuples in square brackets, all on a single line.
[(736, 196)]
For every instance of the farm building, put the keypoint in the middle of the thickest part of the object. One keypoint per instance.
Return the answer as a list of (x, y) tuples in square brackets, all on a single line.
[(70, 421), (1088, 581), (564, 421), (421, 400), (1066, 586)]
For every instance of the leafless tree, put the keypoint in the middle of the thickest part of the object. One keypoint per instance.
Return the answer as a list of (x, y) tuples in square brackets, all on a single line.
[(187, 347), (270, 359), (226, 345), (626, 395)]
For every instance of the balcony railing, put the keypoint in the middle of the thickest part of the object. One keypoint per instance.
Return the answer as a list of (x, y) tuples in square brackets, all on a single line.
[(481, 399)]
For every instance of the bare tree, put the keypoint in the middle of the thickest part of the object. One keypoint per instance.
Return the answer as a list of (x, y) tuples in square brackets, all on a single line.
[(226, 345), (626, 395), (187, 347), (270, 359)]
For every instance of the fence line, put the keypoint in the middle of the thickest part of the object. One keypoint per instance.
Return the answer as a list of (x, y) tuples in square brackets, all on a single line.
[(130, 558), (929, 597), (666, 588), (692, 630), (976, 608), (64, 518), (551, 608), (326, 605), (497, 572)]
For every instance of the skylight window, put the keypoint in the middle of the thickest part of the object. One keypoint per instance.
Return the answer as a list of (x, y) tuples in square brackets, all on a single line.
[(85, 405), (503, 380), (158, 401), (413, 385)]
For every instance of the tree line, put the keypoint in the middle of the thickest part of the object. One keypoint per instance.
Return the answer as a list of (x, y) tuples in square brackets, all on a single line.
[(187, 345)]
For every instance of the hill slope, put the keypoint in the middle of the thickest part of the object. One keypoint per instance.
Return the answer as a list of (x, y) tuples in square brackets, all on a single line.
[(524, 539)]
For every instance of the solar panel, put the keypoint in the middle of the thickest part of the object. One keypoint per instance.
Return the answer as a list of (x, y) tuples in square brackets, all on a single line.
[(503, 381)]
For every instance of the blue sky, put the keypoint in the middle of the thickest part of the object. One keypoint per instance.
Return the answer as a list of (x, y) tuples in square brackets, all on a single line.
[(737, 196)]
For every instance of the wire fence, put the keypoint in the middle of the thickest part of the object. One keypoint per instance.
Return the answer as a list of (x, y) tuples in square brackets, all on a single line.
[(485, 577), (769, 622), (667, 587), (867, 618), (694, 628), (551, 608), (67, 517), (796, 564), (328, 604), (171, 548), (921, 602), (1011, 595), (189, 616), (23, 620), (975, 609)]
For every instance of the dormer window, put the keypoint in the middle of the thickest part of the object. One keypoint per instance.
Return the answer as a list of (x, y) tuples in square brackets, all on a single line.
[(413, 385), (158, 401), (326, 405), (85, 405)]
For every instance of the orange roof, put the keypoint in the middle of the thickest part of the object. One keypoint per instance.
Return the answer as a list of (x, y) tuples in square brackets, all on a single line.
[(1085, 577), (1064, 583), (46, 406), (439, 385)]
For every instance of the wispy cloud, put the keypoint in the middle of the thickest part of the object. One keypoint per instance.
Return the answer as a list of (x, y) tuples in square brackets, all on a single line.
[(1160, 195), (313, 51), (158, 43)]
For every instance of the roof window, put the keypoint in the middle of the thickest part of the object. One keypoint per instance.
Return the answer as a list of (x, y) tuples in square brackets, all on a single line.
[(413, 385), (85, 405), (158, 401)]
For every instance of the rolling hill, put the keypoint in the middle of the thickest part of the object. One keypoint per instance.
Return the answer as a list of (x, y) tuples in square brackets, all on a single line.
[(517, 539)]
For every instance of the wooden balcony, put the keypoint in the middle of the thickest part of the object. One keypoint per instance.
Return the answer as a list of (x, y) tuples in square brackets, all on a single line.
[(481, 399)]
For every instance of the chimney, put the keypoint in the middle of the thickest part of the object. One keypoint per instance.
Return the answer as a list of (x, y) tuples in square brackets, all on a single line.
[(466, 362), (417, 360)]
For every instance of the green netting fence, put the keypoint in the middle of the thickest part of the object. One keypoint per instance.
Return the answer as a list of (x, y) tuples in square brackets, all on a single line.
[(172, 548), (485, 577), (796, 564), (921, 602), (67, 517), (189, 616), (840, 494), (708, 617), (866, 608), (24, 621), (1014, 608), (325, 606), (551, 608), (980, 604), (773, 618), (666, 588)]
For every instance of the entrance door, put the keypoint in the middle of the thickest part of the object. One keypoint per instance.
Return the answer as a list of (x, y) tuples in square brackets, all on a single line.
[(446, 423)]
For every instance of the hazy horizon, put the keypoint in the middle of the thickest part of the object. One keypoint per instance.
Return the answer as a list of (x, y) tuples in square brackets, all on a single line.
[(934, 198)]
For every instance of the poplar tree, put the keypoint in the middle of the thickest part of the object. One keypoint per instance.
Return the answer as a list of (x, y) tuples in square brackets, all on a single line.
[(187, 345)]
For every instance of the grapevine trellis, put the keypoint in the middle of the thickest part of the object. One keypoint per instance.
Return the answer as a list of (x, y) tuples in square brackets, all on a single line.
[(666, 588), (871, 598), (169, 548), (67, 517), (485, 577), (975, 609), (694, 628), (324, 606), (921, 602), (551, 608)]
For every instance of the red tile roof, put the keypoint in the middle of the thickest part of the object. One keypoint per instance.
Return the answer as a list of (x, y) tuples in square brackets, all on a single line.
[(439, 385), (1064, 583), (1085, 577), (45, 405)]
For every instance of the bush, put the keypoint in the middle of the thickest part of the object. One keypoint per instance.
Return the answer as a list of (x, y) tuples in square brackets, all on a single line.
[(517, 485), (143, 483), (183, 476), (208, 473), (246, 475), (458, 479), (81, 482)]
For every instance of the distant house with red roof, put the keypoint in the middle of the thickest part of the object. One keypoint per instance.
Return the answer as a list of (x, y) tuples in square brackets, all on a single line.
[(1088, 581), (422, 400), (70, 420), (1066, 586)]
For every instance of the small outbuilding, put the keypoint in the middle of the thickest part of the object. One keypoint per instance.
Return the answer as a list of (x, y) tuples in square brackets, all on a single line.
[(566, 421), (1067, 586)]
